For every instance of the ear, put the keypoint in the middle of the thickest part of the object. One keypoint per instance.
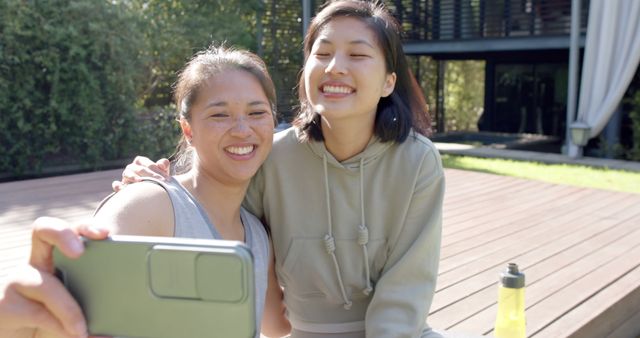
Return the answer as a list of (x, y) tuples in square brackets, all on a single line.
[(389, 84), (186, 129)]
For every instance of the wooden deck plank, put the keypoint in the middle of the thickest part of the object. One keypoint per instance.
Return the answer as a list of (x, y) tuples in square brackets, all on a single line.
[(68, 181), (485, 216), (478, 288), (586, 321), (488, 231), (479, 293), (574, 294), (539, 316), (542, 284), (510, 238), (626, 329), (536, 232), (472, 204), (484, 212)]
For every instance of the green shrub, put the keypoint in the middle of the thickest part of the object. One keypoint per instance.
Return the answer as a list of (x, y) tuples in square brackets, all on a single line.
[(69, 71), (158, 132)]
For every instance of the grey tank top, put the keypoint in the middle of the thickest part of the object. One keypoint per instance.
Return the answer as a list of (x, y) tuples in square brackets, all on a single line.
[(191, 221)]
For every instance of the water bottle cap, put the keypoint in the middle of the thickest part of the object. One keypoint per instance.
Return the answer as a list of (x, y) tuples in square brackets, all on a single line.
[(512, 278)]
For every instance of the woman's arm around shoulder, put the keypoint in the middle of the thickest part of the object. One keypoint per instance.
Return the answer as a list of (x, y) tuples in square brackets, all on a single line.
[(142, 167)]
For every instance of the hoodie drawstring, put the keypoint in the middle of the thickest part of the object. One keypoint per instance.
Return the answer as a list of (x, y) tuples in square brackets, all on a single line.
[(329, 242), (363, 236)]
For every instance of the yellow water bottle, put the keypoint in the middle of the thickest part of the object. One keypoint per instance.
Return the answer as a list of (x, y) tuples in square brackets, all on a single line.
[(510, 320)]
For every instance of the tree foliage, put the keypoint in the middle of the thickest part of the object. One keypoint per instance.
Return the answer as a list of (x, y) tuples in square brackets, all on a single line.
[(67, 81), (464, 94), (281, 48), (175, 30), (89, 81), (463, 90)]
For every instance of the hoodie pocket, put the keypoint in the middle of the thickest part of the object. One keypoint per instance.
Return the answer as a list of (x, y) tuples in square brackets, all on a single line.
[(308, 270)]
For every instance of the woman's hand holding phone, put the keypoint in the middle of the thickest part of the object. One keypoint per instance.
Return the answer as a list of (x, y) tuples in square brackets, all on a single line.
[(34, 303)]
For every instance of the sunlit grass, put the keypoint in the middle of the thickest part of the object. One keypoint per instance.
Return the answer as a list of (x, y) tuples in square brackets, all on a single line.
[(581, 176)]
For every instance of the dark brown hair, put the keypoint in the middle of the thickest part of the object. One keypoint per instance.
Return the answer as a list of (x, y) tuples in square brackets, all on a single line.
[(203, 66), (397, 114)]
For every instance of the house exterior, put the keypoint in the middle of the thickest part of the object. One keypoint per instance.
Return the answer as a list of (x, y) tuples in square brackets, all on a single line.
[(524, 43)]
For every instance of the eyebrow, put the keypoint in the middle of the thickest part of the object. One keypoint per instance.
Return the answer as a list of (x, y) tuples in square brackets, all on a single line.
[(224, 103), (354, 42)]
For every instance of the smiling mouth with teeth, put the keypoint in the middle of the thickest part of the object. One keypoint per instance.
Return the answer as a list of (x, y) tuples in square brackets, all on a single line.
[(240, 150), (336, 90)]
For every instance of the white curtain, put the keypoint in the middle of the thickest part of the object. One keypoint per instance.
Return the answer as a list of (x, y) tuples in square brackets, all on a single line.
[(611, 56)]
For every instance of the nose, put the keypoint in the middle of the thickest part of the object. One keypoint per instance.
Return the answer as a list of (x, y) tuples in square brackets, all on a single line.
[(336, 65), (241, 127)]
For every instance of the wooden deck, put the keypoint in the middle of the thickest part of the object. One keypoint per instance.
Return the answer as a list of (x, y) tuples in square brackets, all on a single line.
[(579, 248)]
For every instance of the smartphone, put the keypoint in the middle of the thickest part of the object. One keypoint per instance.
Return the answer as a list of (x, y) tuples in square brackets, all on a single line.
[(162, 287)]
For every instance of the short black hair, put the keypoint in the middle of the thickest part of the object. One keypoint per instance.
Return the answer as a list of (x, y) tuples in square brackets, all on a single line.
[(397, 114)]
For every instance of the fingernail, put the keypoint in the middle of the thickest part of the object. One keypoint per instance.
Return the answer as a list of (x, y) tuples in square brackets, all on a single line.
[(97, 230), (77, 246)]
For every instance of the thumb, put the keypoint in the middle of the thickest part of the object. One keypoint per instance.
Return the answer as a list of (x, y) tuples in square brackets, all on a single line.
[(49, 232)]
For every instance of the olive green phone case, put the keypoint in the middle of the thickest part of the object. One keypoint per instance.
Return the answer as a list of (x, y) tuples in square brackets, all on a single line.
[(160, 287)]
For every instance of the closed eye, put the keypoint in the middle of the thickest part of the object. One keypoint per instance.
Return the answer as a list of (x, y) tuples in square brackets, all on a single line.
[(258, 113)]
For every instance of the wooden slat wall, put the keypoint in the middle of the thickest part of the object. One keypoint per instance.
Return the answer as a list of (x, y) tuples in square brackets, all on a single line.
[(579, 248)]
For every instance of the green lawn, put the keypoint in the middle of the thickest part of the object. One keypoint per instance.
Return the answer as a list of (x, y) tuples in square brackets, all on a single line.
[(581, 176)]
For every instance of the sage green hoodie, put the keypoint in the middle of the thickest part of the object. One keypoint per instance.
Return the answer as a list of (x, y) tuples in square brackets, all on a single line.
[(356, 242)]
